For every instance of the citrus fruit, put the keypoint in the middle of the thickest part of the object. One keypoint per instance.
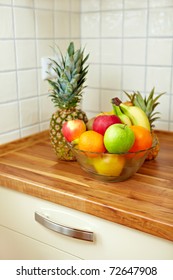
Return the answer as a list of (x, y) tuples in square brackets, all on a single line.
[(143, 138), (91, 141), (109, 165), (118, 138)]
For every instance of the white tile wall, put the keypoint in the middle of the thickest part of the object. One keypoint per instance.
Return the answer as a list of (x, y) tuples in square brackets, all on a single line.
[(90, 5), (111, 24), (29, 112), (28, 30), (111, 51), (161, 22), (159, 48), (133, 49), (62, 24), (135, 23), (133, 78), (130, 44), (8, 91), (9, 117), (6, 30), (7, 61), (24, 3), (25, 59), (110, 76), (24, 24), (29, 78), (90, 25), (111, 4)]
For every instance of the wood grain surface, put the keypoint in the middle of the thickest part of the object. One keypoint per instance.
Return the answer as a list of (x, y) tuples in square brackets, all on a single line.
[(143, 202)]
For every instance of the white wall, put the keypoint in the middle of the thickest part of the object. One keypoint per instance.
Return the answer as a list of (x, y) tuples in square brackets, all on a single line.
[(131, 47), (130, 44), (28, 30)]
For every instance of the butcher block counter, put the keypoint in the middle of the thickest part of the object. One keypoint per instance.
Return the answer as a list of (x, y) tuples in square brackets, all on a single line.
[(143, 202)]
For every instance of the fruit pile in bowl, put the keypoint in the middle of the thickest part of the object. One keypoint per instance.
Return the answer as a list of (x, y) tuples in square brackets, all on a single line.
[(110, 167), (112, 146)]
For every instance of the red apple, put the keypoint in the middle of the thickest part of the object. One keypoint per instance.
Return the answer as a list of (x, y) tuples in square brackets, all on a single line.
[(102, 122), (73, 129)]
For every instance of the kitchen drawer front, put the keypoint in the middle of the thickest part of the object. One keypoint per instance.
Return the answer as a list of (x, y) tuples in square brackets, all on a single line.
[(16, 246), (111, 241)]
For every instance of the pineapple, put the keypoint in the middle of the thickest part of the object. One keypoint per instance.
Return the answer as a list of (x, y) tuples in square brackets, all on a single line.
[(66, 93), (148, 105)]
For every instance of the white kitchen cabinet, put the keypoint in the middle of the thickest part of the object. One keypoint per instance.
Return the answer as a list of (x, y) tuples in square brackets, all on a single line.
[(17, 246), (22, 237)]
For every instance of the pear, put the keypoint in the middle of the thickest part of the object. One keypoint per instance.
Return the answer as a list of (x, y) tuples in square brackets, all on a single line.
[(89, 124)]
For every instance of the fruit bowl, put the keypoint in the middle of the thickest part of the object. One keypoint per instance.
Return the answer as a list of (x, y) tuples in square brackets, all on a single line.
[(111, 167)]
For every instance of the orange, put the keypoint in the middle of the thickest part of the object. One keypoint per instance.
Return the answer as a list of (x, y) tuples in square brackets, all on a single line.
[(143, 138), (91, 141)]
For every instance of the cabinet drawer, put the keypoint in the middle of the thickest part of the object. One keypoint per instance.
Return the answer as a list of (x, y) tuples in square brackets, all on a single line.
[(16, 246), (111, 241)]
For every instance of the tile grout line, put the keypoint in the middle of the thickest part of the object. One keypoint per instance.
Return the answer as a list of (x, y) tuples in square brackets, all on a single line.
[(146, 47), (16, 71), (171, 98), (100, 59), (37, 69), (122, 52), (148, 68)]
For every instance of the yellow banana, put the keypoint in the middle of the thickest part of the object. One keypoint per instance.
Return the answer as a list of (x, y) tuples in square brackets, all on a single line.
[(124, 118), (136, 115)]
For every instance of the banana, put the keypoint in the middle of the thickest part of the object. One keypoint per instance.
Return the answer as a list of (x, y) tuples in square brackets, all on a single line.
[(124, 118), (136, 115)]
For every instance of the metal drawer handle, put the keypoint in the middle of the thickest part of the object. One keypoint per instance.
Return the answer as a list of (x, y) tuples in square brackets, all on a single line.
[(72, 232)]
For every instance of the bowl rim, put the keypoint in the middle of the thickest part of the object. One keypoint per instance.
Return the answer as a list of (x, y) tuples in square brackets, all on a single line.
[(154, 143)]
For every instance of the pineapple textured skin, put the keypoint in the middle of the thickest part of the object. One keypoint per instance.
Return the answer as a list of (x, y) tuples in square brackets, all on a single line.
[(66, 93), (154, 152), (58, 141)]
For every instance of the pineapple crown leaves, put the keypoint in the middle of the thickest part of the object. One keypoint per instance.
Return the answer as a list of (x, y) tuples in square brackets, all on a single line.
[(148, 105), (67, 88)]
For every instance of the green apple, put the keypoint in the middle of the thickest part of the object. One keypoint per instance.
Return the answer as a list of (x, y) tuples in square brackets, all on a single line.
[(119, 138), (109, 165)]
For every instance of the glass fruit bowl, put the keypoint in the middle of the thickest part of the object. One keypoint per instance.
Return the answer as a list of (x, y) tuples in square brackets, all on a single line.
[(111, 167)]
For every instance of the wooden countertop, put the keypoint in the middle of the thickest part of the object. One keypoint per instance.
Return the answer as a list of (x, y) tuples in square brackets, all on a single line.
[(143, 202)]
